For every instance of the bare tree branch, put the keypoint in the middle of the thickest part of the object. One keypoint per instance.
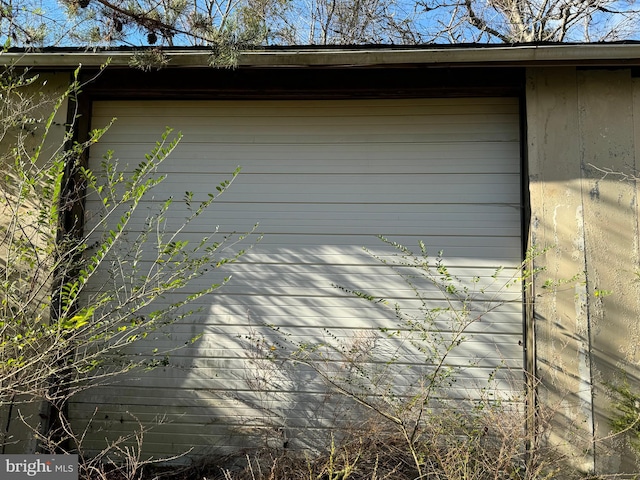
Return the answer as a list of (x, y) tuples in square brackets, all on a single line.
[(482, 25)]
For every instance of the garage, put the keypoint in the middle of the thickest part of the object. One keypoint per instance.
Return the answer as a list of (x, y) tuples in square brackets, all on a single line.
[(321, 179)]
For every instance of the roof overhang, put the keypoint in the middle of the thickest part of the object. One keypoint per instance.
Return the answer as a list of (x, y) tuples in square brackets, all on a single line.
[(601, 54)]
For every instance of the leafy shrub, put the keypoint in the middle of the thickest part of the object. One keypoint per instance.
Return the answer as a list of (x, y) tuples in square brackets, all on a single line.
[(411, 409), (76, 292)]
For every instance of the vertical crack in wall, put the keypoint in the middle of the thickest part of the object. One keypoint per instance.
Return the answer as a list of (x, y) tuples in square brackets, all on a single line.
[(583, 329), (583, 314)]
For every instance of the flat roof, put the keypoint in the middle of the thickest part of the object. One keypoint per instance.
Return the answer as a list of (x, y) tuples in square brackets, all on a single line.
[(605, 54)]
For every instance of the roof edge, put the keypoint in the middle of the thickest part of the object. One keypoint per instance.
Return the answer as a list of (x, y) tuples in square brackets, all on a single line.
[(610, 54)]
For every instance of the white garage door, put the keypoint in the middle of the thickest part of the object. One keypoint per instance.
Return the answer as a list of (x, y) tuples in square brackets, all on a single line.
[(322, 179)]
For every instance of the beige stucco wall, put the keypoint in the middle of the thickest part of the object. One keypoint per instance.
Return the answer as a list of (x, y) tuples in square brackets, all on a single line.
[(38, 98), (579, 124)]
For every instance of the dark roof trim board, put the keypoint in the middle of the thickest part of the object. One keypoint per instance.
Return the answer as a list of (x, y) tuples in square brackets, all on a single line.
[(600, 54), (301, 83)]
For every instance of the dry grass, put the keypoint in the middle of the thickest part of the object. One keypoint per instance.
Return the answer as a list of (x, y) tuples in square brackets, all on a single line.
[(485, 446)]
